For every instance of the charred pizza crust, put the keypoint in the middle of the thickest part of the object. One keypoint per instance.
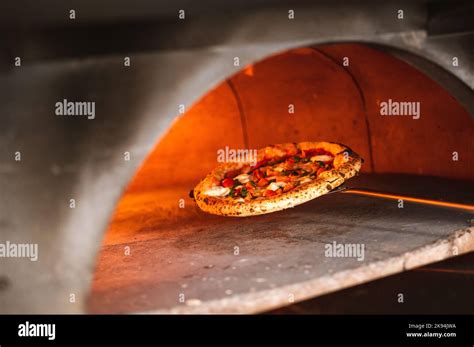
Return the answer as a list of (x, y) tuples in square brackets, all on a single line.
[(346, 164)]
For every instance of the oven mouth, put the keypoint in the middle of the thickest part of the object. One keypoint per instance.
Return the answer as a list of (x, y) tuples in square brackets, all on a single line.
[(410, 206)]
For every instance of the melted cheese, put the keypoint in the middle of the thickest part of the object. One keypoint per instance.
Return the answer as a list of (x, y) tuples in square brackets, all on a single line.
[(217, 191), (243, 178), (322, 158), (276, 185)]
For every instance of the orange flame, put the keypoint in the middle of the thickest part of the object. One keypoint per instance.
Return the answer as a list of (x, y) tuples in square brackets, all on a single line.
[(249, 70)]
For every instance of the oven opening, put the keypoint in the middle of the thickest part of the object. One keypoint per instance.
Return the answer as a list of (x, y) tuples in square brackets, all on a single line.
[(410, 205)]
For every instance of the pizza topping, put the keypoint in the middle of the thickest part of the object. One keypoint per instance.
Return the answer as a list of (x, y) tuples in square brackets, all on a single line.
[(227, 182), (273, 176), (270, 193), (286, 175), (217, 191), (322, 158), (232, 173), (257, 175), (275, 186), (283, 179), (243, 178), (289, 187), (262, 182)]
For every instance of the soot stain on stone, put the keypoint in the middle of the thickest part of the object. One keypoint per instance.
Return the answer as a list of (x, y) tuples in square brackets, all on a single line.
[(4, 283)]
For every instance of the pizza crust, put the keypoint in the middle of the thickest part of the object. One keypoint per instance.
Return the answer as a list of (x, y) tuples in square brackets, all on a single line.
[(345, 167)]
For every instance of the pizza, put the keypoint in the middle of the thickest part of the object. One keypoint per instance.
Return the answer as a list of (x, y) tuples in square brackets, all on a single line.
[(282, 176)]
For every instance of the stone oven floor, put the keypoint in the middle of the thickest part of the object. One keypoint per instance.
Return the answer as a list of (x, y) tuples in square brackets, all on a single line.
[(158, 257)]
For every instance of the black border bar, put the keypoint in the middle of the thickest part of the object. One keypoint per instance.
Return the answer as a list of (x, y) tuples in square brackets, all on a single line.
[(223, 329)]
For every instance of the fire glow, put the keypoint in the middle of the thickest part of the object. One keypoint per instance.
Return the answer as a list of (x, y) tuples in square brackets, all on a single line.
[(410, 199)]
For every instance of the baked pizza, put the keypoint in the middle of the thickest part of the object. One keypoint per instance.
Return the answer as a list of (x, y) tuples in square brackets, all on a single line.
[(282, 176)]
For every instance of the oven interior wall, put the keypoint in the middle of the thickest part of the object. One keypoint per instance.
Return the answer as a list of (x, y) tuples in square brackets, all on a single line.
[(331, 102)]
